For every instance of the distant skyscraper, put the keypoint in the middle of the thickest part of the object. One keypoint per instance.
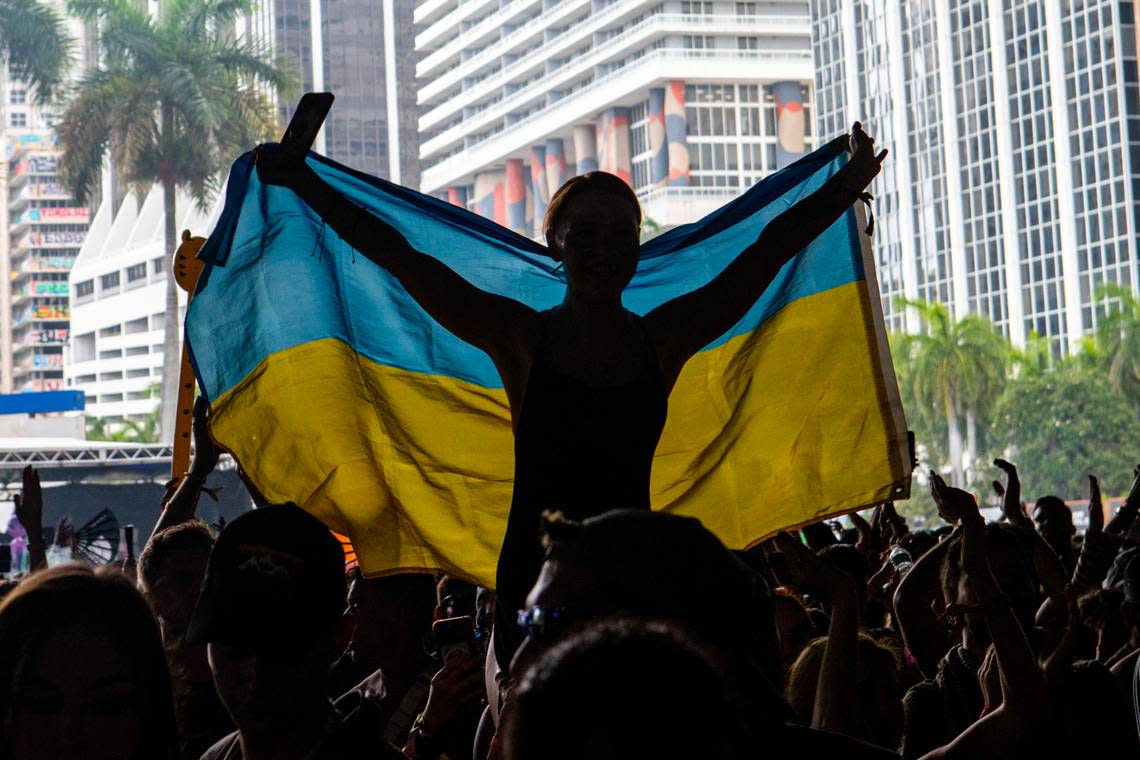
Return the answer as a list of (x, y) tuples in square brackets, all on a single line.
[(41, 229), (1014, 128), (363, 52), (689, 102)]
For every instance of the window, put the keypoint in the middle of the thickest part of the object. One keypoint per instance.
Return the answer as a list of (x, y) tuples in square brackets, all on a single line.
[(85, 289), (18, 97), (109, 281), (158, 266), (136, 273), (138, 350), (110, 375), (114, 353), (83, 350), (157, 321), (142, 372), (108, 332), (18, 119), (135, 326)]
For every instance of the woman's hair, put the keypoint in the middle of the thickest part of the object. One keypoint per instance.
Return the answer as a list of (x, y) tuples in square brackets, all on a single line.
[(103, 602), (880, 696), (1018, 581), (191, 535), (596, 182)]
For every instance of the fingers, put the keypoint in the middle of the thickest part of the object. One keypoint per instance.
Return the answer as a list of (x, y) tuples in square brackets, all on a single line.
[(999, 489), (1009, 468)]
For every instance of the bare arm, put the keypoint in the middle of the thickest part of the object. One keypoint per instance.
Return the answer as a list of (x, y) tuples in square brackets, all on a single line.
[(922, 631), (493, 323), (682, 326), (836, 693), (30, 513), (183, 503), (1025, 708)]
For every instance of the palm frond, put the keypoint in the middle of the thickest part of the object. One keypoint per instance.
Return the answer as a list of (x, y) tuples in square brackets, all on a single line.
[(198, 17), (37, 44), (84, 129)]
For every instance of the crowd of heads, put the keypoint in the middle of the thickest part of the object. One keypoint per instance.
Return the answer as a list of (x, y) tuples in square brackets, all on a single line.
[(644, 637)]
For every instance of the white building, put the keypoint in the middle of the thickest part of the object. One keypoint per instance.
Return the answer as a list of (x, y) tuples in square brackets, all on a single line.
[(118, 295), (1013, 184), (690, 102)]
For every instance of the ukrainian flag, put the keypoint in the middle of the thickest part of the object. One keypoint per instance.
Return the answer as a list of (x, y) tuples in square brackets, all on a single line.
[(335, 390)]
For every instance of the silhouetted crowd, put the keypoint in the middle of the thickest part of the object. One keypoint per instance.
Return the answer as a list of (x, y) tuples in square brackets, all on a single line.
[(644, 637)]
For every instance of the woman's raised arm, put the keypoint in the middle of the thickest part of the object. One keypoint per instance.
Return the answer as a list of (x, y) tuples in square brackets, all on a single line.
[(498, 325), (684, 325)]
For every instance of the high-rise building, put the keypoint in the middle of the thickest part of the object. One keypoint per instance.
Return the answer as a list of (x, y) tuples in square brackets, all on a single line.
[(1014, 126), (363, 52), (41, 229), (689, 102), (44, 231)]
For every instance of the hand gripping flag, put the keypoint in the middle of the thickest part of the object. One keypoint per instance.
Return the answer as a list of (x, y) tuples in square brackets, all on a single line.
[(335, 390)]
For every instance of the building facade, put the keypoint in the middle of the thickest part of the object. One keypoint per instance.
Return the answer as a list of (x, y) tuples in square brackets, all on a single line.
[(118, 286), (1014, 129), (41, 229), (44, 232), (689, 102), (363, 52)]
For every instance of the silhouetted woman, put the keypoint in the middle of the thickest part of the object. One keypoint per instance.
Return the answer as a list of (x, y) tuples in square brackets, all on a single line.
[(588, 380), (84, 675)]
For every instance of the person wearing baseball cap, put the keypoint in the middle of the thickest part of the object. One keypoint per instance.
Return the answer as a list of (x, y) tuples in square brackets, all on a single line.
[(271, 615)]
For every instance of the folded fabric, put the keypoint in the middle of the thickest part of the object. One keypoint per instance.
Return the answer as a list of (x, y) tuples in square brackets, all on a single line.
[(335, 390)]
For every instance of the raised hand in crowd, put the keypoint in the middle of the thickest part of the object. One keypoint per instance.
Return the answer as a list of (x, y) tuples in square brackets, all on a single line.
[(1096, 508), (1020, 724), (836, 692), (29, 505), (1011, 507), (1122, 521), (1100, 546), (456, 690), (180, 505)]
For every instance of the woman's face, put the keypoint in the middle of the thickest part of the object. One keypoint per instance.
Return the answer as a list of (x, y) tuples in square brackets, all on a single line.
[(597, 239), (77, 699)]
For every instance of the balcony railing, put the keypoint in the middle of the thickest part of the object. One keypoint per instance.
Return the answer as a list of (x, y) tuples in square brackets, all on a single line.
[(753, 24), (533, 27), (451, 20), (586, 63), (504, 139), (564, 42), (485, 26)]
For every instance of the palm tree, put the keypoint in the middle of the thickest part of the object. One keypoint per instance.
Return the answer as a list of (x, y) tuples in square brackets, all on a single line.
[(175, 99), (132, 431), (1035, 358), (37, 45), (1118, 338), (955, 368)]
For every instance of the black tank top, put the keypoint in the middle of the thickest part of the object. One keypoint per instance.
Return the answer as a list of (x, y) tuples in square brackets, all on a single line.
[(579, 449)]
